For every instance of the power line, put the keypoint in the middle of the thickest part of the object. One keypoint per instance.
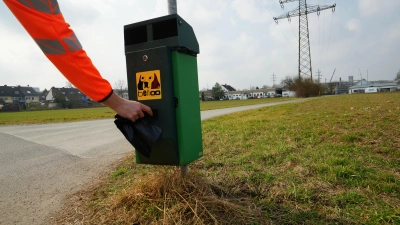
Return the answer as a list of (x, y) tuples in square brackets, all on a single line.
[(278, 24), (323, 36), (319, 42), (329, 38), (293, 30), (286, 38), (267, 7)]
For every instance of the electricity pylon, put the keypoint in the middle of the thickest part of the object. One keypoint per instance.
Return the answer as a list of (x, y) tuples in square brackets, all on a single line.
[(302, 11)]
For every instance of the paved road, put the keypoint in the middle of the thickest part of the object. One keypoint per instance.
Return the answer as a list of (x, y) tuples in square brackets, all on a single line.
[(219, 112), (41, 164)]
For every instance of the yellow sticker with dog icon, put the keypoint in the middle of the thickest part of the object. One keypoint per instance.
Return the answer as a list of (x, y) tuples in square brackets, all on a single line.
[(148, 85)]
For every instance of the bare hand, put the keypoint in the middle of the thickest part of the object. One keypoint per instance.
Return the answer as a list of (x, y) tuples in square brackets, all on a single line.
[(131, 110)]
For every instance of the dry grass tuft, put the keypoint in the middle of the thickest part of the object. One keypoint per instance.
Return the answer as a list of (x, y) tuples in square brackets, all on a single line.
[(162, 196)]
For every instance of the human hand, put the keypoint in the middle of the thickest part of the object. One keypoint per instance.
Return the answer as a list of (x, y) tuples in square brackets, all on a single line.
[(131, 110)]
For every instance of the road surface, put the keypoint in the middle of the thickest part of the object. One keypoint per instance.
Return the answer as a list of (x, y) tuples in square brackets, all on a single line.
[(41, 164)]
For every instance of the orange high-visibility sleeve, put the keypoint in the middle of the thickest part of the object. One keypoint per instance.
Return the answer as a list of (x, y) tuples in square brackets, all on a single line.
[(44, 22)]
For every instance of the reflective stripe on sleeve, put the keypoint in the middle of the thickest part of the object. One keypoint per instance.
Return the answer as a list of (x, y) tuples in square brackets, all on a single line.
[(72, 43), (44, 6), (53, 47)]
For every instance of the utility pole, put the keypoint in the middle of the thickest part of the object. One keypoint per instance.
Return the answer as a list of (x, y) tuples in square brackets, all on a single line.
[(173, 9), (319, 76), (273, 79), (305, 69)]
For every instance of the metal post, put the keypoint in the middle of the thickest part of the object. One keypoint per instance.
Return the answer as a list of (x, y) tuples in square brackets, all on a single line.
[(173, 9), (184, 171)]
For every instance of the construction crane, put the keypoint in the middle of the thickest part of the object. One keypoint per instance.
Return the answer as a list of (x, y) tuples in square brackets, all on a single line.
[(302, 11), (332, 75)]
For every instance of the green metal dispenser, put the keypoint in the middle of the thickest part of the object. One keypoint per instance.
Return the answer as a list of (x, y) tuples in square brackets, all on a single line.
[(162, 73)]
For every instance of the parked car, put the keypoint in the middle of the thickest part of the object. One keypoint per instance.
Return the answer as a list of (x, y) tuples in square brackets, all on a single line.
[(277, 95), (285, 95)]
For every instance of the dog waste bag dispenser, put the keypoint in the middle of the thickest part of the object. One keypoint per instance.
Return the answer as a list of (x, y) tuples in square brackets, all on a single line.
[(162, 73)]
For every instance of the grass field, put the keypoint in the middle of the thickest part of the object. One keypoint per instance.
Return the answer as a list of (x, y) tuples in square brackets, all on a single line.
[(55, 116), (209, 105), (333, 160), (71, 115)]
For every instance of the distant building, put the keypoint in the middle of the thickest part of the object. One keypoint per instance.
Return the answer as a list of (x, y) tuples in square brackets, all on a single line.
[(260, 93), (30, 94), (227, 88), (361, 86), (232, 94), (369, 87), (237, 95), (42, 96), (6, 94), (18, 95), (71, 97), (338, 87), (37, 89)]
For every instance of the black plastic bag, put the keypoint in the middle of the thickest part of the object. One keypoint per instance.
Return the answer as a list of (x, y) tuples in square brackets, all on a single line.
[(142, 134)]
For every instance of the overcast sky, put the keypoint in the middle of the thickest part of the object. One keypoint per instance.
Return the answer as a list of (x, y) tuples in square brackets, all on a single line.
[(240, 44)]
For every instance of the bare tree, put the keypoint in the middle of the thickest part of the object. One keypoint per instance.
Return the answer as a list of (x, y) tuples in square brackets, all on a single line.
[(120, 87), (397, 77), (265, 86), (276, 86), (288, 82)]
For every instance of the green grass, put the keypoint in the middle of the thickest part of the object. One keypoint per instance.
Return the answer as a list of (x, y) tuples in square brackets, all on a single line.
[(55, 116), (332, 160), (72, 115), (209, 105)]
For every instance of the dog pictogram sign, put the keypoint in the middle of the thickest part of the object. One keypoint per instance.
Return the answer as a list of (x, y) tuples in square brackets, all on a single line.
[(148, 85)]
